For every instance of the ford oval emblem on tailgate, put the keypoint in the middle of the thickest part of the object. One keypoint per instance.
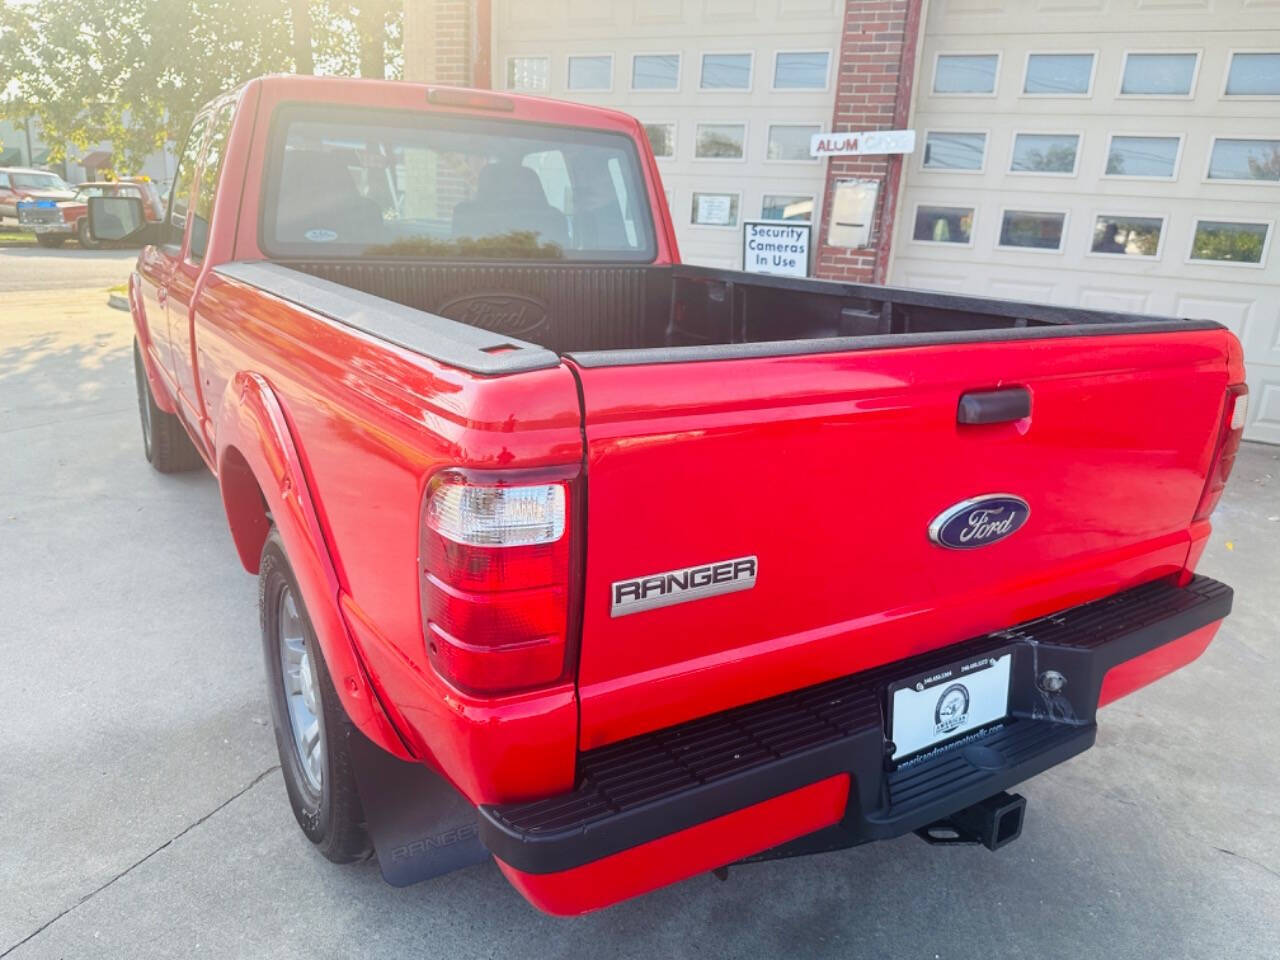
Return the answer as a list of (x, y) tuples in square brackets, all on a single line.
[(980, 521)]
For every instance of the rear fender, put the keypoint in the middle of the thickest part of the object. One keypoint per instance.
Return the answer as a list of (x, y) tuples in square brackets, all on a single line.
[(159, 392), (258, 461)]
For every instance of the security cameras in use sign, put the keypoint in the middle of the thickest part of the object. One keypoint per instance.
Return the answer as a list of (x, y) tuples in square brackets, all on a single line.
[(778, 247)]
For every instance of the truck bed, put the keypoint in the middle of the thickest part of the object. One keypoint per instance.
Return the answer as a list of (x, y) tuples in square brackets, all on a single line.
[(602, 314)]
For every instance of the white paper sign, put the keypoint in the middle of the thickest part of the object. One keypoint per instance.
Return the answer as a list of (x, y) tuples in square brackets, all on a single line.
[(715, 209), (852, 144), (777, 247)]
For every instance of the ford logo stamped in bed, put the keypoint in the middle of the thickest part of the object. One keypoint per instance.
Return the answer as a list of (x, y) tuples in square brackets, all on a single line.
[(511, 314), (980, 521)]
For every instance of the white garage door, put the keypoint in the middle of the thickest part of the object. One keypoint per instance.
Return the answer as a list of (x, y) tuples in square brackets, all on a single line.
[(1136, 169)]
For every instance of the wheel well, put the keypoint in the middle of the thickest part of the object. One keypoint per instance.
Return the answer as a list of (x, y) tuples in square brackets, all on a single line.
[(246, 507)]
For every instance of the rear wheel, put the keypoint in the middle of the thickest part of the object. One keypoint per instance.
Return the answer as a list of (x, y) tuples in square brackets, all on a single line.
[(83, 237), (310, 724), (49, 240), (165, 443)]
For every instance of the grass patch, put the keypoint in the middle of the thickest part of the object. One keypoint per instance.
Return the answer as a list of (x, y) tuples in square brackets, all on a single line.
[(11, 237)]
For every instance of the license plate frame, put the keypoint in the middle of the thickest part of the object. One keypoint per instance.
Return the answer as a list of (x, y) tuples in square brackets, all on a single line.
[(930, 709)]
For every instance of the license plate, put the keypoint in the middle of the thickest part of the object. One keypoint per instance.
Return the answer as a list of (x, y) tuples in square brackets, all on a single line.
[(948, 702)]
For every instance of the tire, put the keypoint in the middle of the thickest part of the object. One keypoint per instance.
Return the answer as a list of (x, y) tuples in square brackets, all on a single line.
[(82, 236), (322, 789), (164, 442), (49, 241)]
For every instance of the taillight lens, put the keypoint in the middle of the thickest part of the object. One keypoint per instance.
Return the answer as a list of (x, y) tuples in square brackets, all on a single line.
[(1224, 458), (497, 575)]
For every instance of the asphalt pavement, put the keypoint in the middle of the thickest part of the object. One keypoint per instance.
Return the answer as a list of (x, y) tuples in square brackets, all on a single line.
[(142, 813)]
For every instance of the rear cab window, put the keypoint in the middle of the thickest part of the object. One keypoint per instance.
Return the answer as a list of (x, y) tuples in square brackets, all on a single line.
[(403, 184)]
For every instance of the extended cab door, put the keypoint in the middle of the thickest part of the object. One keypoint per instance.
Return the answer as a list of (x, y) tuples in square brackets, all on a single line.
[(188, 271), (157, 264)]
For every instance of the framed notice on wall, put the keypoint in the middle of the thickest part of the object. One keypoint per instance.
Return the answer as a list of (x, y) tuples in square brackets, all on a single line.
[(778, 247)]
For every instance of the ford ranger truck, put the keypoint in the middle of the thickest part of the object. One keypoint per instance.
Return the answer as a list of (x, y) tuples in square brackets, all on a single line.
[(618, 570)]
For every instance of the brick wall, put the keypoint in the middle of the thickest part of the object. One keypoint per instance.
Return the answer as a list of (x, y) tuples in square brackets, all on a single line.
[(873, 92), (447, 41)]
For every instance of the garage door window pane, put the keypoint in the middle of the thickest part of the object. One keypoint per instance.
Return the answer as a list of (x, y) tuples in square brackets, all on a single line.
[(1220, 242), (528, 73), (1058, 73), (943, 224), (720, 141), (1159, 74), (791, 141), (715, 209), (954, 151), (651, 71), (1127, 236), (965, 73), (726, 71), (590, 73), (662, 138), (1045, 153), (1254, 75), (776, 206), (1035, 231), (1142, 157), (801, 71), (1245, 160)]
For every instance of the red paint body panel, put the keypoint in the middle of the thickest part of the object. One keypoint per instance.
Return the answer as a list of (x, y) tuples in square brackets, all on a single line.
[(681, 855), (830, 468), (1140, 671), (827, 467)]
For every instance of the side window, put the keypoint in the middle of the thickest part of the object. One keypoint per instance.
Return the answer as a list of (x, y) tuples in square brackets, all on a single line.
[(184, 178), (210, 168), (4, 181)]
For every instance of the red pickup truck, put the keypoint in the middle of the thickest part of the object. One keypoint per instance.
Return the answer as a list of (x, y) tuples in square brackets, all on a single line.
[(619, 570)]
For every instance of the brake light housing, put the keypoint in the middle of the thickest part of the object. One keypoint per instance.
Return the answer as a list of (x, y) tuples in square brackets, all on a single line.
[(1230, 433), (499, 577)]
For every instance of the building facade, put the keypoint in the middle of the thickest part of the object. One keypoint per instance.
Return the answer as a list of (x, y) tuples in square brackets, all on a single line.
[(1115, 154)]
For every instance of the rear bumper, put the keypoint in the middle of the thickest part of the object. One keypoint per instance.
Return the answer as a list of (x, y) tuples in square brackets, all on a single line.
[(806, 771)]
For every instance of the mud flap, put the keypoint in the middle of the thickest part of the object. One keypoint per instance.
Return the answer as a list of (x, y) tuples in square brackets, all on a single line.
[(420, 825)]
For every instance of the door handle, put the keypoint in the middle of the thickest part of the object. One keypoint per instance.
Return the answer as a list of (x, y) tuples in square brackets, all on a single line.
[(994, 406)]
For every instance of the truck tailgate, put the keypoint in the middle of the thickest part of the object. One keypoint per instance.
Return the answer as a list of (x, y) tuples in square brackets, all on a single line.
[(828, 470)]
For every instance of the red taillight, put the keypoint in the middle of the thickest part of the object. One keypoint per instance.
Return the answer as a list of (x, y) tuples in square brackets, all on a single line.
[(497, 573), (1224, 457)]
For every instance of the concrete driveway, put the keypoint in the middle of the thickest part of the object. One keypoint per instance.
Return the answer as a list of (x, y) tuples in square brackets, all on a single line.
[(142, 813)]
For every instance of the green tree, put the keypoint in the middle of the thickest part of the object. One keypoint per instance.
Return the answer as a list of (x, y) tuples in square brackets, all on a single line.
[(133, 72)]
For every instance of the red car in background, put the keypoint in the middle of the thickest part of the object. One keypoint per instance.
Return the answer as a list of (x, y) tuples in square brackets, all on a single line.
[(23, 183), (57, 220)]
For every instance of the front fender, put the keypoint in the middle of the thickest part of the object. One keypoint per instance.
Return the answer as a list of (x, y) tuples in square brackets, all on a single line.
[(254, 435)]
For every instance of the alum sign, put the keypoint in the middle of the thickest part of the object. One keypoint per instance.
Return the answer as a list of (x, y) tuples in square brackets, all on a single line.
[(862, 144), (777, 247)]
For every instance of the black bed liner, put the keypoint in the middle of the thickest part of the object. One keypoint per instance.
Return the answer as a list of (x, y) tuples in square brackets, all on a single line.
[(500, 318)]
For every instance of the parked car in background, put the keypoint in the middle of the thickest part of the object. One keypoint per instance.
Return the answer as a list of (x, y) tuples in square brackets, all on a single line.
[(25, 183), (56, 221)]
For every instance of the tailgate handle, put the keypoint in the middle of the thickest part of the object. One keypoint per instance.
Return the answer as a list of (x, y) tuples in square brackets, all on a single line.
[(994, 406)]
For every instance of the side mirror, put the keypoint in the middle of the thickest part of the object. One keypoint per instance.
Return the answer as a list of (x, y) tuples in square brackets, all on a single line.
[(119, 219)]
